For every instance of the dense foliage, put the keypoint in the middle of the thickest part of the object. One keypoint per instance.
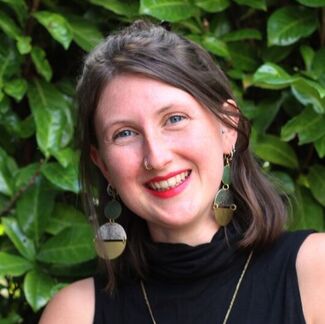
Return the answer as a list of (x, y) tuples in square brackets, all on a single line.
[(272, 52)]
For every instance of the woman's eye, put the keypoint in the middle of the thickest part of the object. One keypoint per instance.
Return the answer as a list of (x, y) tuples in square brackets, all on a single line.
[(175, 119), (124, 133)]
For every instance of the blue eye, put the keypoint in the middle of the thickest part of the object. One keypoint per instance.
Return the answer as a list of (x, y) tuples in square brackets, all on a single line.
[(176, 119), (124, 133)]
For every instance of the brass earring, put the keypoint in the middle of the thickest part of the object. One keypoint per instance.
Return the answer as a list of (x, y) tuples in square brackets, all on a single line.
[(224, 205), (111, 238)]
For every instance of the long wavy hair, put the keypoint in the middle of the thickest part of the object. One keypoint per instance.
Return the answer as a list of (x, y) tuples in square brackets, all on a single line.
[(150, 50)]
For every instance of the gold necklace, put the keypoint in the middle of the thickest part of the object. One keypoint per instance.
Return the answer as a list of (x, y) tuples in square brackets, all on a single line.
[(231, 302)]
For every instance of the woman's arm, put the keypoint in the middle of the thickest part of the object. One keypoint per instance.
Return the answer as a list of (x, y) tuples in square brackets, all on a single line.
[(310, 266), (73, 304)]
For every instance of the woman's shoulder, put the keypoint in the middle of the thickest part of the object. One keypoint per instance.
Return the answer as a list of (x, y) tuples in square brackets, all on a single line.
[(74, 303), (310, 270)]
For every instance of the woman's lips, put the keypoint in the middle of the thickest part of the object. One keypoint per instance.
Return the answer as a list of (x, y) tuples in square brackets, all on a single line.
[(169, 185)]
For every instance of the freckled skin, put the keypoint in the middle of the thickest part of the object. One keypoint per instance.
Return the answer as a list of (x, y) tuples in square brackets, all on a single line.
[(139, 117)]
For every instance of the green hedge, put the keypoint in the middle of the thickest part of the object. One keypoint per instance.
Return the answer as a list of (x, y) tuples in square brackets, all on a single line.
[(272, 52)]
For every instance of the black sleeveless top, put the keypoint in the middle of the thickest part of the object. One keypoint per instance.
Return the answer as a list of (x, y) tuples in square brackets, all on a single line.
[(194, 285)]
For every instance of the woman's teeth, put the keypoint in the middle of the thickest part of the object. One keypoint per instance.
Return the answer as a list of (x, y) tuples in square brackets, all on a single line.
[(169, 183)]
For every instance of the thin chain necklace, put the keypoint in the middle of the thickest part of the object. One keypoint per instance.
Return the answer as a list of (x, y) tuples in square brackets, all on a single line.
[(231, 302)]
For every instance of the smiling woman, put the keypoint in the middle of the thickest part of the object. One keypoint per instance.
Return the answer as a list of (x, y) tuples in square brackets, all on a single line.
[(159, 126)]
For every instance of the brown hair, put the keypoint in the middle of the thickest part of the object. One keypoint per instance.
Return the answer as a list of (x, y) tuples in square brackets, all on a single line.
[(152, 51)]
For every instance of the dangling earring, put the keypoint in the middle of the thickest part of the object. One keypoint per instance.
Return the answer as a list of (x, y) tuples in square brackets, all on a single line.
[(224, 205), (110, 238)]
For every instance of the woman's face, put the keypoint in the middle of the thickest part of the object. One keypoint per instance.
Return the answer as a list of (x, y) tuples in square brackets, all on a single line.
[(138, 118)]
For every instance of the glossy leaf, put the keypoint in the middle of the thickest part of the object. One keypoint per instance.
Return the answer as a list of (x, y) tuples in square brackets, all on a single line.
[(85, 33), (56, 25), (64, 178), (283, 181), (25, 175), (39, 288), (213, 5), (309, 93), (243, 56), (41, 63), (257, 4), (16, 88), (23, 244), (216, 46), (276, 54), (9, 61), (50, 111), (316, 178), (318, 65), (20, 8), (170, 10), (9, 26), (308, 55), (272, 76), (271, 148), (67, 156), (13, 265), (65, 216), (320, 147), (308, 126), (34, 208), (242, 34), (71, 246), (126, 8), (312, 3), (308, 214), (287, 25), (7, 168)]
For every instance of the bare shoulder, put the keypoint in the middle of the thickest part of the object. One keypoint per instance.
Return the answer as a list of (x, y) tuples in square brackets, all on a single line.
[(73, 304), (310, 270)]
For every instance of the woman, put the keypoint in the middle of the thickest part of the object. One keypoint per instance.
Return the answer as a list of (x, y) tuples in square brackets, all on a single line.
[(158, 119)]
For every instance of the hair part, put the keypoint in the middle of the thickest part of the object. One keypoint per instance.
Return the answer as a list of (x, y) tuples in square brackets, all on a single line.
[(151, 51)]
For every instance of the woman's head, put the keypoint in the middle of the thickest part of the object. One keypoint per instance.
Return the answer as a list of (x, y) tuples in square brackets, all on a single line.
[(145, 55)]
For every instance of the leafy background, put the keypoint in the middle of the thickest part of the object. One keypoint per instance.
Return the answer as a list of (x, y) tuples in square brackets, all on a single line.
[(271, 50)]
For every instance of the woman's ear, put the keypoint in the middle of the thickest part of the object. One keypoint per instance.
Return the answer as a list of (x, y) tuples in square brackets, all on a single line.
[(99, 162), (229, 134)]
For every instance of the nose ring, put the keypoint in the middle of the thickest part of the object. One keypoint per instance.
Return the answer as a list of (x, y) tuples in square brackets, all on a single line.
[(147, 165)]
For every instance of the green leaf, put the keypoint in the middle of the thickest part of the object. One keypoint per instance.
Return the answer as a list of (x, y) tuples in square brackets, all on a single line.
[(41, 63), (283, 181), (309, 93), (256, 4), (216, 46), (67, 156), (308, 213), (20, 8), (243, 56), (242, 34), (271, 148), (25, 175), (312, 3), (50, 111), (13, 265), (71, 246), (65, 216), (85, 33), (318, 66), (308, 55), (16, 88), (56, 25), (309, 126), (10, 61), (125, 8), (320, 147), (213, 5), (276, 54), (316, 178), (170, 10), (7, 168), (34, 208), (64, 178), (23, 244), (39, 288), (9, 26), (272, 76), (24, 44), (289, 24)]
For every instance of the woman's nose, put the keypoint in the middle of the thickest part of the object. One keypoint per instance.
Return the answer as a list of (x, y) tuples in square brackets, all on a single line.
[(157, 151)]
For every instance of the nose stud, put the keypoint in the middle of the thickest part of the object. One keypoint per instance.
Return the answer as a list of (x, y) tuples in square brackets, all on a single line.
[(147, 165)]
